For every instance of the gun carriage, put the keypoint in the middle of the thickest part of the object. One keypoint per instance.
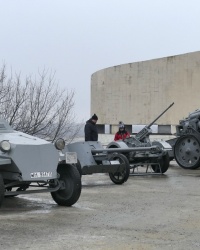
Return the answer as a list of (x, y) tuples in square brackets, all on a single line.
[(94, 158), (158, 160)]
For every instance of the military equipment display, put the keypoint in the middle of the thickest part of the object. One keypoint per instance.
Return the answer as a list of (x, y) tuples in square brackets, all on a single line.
[(94, 158), (187, 144), (158, 159), (32, 165)]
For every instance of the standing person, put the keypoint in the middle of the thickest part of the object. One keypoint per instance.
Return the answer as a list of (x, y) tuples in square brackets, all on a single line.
[(91, 133), (122, 133)]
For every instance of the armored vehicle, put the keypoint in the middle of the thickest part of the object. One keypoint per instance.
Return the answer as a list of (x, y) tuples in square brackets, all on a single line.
[(186, 145), (94, 158), (158, 159), (32, 165)]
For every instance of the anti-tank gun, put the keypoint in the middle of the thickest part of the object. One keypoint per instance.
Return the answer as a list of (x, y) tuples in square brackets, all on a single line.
[(187, 143), (159, 161), (93, 158)]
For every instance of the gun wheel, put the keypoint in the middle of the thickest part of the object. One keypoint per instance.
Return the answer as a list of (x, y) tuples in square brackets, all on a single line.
[(71, 186), (162, 165), (187, 152), (120, 177)]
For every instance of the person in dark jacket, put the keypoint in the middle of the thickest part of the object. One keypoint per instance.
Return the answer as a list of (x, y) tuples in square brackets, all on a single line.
[(122, 133), (91, 133)]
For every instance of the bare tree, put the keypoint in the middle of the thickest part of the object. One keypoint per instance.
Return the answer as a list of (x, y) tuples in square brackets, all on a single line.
[(4, 86), (38, 107)]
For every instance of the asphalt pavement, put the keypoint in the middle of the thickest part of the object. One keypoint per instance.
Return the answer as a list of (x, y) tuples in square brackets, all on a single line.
[(148, 212)]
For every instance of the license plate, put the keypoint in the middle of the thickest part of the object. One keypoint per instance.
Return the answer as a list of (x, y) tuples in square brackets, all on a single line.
[(41, 174), (114, 162), (71, 157)]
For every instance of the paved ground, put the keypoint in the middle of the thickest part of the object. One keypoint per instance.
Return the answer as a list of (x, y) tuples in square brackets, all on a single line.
[(146, 213)]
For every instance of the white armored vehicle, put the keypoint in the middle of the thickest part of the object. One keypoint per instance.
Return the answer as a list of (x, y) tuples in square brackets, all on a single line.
[(32, 165)]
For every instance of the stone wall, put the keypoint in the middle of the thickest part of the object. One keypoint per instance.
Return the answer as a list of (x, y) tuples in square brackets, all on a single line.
[(136, 93)]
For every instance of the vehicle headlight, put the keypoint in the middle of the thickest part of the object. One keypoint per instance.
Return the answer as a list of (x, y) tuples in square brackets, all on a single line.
[(60, 144), (5, 146)]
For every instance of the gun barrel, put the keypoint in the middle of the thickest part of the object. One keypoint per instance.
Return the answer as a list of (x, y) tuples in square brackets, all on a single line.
[(160, 115)]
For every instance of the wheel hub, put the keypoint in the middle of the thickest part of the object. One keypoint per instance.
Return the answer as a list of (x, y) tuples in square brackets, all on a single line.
[(188, 151)]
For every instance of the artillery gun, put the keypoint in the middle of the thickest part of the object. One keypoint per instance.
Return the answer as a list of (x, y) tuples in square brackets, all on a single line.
[(187, 143), (158, 160), (94, 158)]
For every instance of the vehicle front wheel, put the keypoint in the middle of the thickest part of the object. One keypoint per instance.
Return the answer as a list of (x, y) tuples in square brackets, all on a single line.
[(78, 166), (120, 177), (2, 190), (71, 186)]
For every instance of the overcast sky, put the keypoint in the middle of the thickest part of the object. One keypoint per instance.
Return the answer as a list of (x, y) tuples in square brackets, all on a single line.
[(79, 37)]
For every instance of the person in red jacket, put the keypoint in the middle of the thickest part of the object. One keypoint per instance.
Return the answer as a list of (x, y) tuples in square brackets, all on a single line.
[(122, 133)]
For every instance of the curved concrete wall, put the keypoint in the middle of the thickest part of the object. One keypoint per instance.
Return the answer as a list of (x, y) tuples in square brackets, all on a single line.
[(137, 93)]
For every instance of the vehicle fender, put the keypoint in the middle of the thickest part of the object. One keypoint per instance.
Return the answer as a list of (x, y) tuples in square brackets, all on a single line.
[(117, 144), (162, 144)]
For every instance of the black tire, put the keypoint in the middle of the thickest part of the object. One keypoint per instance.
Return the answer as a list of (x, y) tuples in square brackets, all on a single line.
[(163, 164), (71, 193), (187, 152), (78, 166), (2, 190), (120, 177)]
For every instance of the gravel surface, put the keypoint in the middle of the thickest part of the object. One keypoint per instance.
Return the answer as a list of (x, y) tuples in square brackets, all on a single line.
[(146, 213)]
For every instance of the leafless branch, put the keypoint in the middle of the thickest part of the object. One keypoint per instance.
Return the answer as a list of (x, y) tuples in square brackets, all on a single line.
[(38, 107)]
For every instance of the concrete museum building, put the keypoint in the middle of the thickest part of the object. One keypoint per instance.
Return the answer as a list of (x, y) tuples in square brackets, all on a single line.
[(136, 93)]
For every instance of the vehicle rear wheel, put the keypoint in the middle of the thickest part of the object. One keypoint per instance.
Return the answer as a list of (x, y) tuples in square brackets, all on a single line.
[(187, 152), (71, 186), (2, 190), (162, 165), (120, 177)]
